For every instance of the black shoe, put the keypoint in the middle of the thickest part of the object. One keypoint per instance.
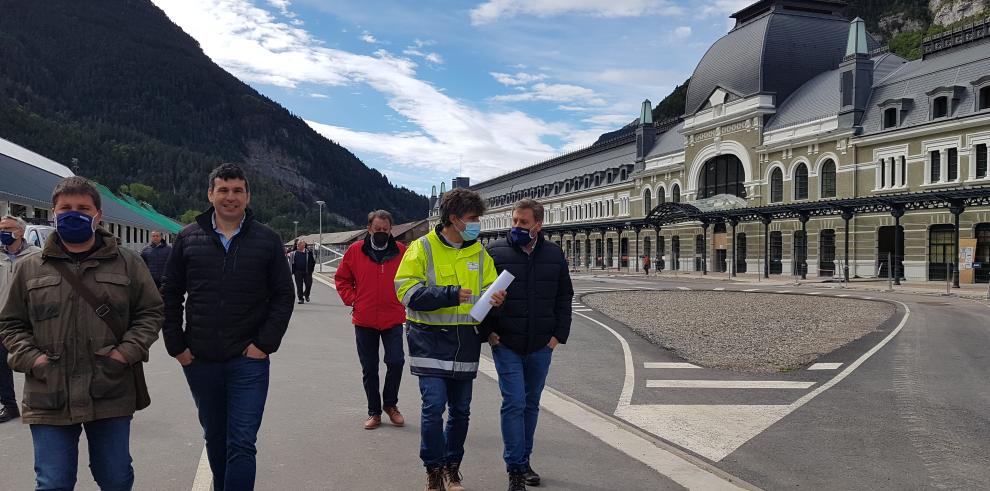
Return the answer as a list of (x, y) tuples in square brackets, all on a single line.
[(8, 413), (300, 301), (532, 478), (517, 481), (308, 300)]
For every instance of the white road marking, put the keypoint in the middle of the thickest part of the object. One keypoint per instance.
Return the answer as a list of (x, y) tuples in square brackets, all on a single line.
[(867, 298), (727, 384), (842, 296), (325, 282), (782, 291), (204, 476), (752, 290), (683, 288), (668, 365), (583, 310), (813, 293), (718, 289), (715, 431), (825, 366)]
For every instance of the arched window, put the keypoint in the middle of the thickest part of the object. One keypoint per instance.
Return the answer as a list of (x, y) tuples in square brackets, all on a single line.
[(827, 176), (675, 193), (776, 186), (801, 182), (647, 202), (940, 107), (722, 175), (661, 196)]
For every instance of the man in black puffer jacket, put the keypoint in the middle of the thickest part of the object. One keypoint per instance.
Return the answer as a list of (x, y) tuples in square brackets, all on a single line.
[(533, 320), (238, 307), (155, 255)]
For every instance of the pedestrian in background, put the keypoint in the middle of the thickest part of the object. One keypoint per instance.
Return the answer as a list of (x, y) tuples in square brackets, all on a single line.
[(646, 265), (442, 276), (13, 247), (533, 321), (365, 281), (155, 255), (78, 321), (228, 275), (303, 264)]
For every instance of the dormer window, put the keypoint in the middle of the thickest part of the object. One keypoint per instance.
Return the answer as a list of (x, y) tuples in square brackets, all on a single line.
[(623, 175), (940, 107), (889, 118), (984, 99), (981, 89), (942, 101)]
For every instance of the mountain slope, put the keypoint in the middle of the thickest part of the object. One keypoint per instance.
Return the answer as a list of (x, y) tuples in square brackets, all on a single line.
[(118, 86)]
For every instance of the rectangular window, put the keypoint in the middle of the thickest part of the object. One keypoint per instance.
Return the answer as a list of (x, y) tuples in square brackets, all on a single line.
[(883, 173), (776, 253), (889, 118), (847, 89), (981, 161), (903, 171), (953, 164), (940, 107), (936, 166), (826, 253), (985, 98)]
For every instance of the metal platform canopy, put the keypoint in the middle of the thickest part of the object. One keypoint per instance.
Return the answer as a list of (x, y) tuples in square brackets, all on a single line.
[(728, 209)]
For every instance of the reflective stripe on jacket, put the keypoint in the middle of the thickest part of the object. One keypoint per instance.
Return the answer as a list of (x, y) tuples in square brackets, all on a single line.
[(444, 340)]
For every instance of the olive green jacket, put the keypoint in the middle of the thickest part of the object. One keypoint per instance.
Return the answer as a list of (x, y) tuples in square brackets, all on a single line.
[(44, 315)]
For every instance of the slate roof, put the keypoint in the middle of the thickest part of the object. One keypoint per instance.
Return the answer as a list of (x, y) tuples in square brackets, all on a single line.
[(820, 97), (914, 79), (775, 53), (671, 141)]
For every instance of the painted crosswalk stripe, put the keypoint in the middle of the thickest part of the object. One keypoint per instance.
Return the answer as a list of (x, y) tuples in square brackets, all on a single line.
[(825, 366), (668, 365), (727, 384)]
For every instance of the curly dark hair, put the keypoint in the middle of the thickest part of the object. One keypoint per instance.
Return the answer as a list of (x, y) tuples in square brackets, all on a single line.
[(460, 202), (229, 171)]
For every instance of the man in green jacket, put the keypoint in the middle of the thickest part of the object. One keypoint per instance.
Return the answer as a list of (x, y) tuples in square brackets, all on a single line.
[(79, 374)]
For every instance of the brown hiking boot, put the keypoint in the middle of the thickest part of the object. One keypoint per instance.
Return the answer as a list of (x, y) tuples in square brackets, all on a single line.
[(434, 479), (373, 422), (395, 416), (452, 477)]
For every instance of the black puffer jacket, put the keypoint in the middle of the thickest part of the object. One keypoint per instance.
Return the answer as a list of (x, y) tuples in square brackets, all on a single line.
[(538, 304), (235, 297), (156, 257)]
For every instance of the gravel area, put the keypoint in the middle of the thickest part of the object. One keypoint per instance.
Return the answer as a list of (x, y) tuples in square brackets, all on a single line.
[(749, 332)]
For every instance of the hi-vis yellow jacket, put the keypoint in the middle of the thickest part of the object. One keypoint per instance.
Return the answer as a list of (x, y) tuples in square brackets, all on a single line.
[(444, 340)]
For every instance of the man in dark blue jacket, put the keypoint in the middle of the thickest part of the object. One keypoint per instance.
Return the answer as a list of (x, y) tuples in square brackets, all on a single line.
[(155, 255), (232, 275), (533, 320)]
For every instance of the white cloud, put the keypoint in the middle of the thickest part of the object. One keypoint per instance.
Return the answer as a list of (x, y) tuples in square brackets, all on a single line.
[(519, 78), (680, 33), (554, 93), (724, 7), (368, 38), (250, 43), (434, 58), (609, 119), (317, 95), (431, 57), (493, 10)]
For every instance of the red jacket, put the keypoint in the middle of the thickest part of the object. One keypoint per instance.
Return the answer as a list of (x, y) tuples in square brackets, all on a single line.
[(369, 286)]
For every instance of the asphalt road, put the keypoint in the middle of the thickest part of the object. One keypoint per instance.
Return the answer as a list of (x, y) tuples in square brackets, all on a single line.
[(906, 409)]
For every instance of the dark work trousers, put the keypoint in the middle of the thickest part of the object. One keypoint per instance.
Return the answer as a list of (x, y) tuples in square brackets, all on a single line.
[(304, 283), (7, 396), (367, 347)]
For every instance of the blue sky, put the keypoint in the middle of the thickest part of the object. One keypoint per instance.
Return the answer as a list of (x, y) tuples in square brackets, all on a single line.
[(426, 90)]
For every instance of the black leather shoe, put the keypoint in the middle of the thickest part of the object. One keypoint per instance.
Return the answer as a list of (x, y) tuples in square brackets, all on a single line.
[(300, 302), (532, 478), (8, 413), (517, 481)]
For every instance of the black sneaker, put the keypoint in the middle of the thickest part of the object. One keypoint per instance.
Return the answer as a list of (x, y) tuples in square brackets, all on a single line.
[(517, 481), (308, 300), (300, 301), (8, 413), (532, 478)]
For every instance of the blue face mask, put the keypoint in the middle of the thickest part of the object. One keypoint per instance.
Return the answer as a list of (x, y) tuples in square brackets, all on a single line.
[(74, 227), (471, 230), (520, 236), (7, 238)]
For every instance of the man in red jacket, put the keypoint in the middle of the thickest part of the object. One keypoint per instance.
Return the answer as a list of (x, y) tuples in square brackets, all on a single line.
[(365, 281)]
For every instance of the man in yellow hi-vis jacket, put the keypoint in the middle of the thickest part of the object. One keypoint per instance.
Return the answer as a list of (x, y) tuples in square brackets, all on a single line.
[(439, 280)]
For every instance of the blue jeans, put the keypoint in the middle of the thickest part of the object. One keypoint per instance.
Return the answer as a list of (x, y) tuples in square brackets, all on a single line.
[(521, 379), (441, 445), (56, 454), (230, 396), (367, 348)]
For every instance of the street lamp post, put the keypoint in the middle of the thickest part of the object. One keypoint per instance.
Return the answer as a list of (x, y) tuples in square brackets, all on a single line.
[(319, 254), (295, 229)]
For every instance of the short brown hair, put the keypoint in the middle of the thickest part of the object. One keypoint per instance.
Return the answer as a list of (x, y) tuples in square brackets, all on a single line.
[(460, 202), (77, 185), (227, 172), (530, 204), (384, 215)]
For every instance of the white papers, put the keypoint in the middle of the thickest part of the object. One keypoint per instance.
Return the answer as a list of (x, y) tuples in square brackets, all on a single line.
[(483, 306)]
